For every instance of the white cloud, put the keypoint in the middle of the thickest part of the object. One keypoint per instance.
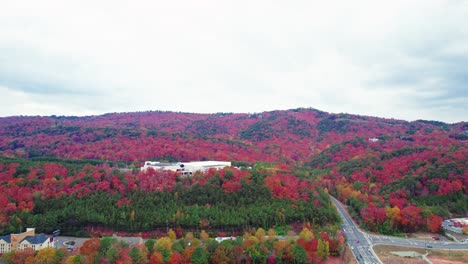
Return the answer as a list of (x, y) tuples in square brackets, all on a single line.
[(389, 59)]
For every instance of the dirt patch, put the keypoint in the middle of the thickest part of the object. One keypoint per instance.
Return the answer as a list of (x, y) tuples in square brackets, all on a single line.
[(422, 236), (445, 261), (437, 256)]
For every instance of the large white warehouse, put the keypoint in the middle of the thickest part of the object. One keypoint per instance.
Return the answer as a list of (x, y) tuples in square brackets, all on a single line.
[(186, 168)]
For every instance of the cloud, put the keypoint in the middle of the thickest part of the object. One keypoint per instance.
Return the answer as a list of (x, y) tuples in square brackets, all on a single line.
[(393, 59)]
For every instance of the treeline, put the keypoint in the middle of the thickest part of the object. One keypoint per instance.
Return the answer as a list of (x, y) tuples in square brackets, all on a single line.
[(404, 187), (258, 246), (71, 197), (192, 207)]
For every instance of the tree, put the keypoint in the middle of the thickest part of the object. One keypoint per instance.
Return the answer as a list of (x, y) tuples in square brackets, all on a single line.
[(176, 258), (411, 218), (260, 234), (150, 245), (434, 223), (188, 252), (171, 234), (322, 249), (90, 249), (164, 243), (299, 253), (393, 215), (156, 258), (76, 259), (222, 255), (199, 256), (136, 255), (204, 236), (105, 244), (306, 234), (211, 246), (46, 255), (271, 234), (112, 255), (19, 257), (465, 230)]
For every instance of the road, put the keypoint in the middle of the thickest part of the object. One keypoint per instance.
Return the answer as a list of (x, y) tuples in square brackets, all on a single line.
[(358, 241), (361, 243)]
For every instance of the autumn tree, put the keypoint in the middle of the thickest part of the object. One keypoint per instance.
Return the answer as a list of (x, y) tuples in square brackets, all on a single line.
[(176, 258), (171, 234), (434, 223), (222, 255), (204, 236), (46, 255), (271, 234), (156, 258), (90, 249), (260, 234), (322, 249)]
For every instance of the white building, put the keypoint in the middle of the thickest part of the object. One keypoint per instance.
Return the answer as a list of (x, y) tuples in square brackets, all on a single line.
[(24, 240), (186, 168)]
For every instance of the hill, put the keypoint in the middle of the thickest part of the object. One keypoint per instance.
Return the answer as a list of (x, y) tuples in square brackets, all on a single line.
[(395, 175)]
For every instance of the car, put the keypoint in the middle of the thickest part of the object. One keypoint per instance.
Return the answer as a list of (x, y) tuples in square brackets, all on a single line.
[(357, 241), (428, 246)]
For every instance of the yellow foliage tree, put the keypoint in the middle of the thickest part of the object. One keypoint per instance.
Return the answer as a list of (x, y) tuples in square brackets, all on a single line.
[(204, 236), (164, 243), (260, 234), (189, 236), (271, 234), (76, 259), (171, 234), (45, 255), (465, 230), (323, 249), (279, 246), (306, 234), (393, 213)]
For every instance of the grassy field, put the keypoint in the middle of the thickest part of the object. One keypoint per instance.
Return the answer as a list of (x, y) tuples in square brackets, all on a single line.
[(434, 255)]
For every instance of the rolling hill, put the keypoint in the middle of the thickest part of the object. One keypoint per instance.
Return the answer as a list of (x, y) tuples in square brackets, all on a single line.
[(395, 175)]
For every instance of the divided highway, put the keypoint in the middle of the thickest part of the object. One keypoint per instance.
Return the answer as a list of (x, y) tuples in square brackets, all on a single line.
[(357, 240), (361, 243)]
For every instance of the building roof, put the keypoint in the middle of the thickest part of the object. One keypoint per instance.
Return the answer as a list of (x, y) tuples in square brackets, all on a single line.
[(37, 239), (6, 238)]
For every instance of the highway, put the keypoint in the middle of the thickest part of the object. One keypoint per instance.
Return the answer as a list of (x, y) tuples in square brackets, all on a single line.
[(361, 243)]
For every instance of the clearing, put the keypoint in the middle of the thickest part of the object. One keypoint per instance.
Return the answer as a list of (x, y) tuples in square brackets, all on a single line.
[(437, 256)]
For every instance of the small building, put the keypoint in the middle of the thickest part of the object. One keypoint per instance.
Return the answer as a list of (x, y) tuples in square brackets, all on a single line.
[(23, 241)]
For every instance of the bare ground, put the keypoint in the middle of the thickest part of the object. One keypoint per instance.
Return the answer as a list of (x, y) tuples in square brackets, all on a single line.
[(435, 255), (346, 258)]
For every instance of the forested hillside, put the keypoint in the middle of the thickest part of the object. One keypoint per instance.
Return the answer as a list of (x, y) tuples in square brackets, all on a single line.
[(395, 175)]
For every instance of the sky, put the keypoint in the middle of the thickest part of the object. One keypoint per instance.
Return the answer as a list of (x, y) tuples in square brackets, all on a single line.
[(396, 59)]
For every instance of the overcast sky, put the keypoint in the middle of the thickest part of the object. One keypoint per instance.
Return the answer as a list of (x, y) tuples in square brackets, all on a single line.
[(401, 59)]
